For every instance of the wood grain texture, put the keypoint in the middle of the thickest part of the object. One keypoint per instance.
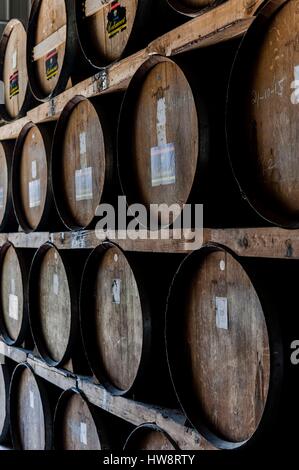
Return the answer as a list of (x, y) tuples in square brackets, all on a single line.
[(109, 29), (83, 150), (229, 361), (118, 319), (78, 430), (30, 420), (14, 64), (52, 17), (12, 300), (54, 305), (4, 183), (159, 134), (33, 178)]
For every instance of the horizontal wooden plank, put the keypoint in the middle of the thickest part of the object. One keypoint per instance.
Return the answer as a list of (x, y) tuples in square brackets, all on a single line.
[(94, 6), (267, 242), (228, 20), (51, 42), (173, 421)]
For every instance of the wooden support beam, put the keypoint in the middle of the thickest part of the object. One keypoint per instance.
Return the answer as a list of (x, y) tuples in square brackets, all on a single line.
[(51, 42)]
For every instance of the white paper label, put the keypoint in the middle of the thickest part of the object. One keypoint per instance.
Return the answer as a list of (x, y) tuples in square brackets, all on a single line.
[(13, 308), (1, 197), (34, 169), (222, 265), (161, 122), (83, 433), (116, 290), (83, 181), (31, 395), (55, 284), (296, 91), (163, 165), (14, 60), (222, 313), (34, 194)]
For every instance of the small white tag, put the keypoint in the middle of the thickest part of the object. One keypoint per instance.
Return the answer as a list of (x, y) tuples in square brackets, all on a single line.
[(31, 397), (12, 286), (14, 60), (13, 307), (83, 433), (1, 197), (116, 291), (163, 165), (116, 258), (34, 169), (83, 182), (55, 284), (222, 313), (34, 194), (222, 265)]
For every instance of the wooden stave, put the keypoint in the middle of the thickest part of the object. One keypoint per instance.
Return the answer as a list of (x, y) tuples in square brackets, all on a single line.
[(25, 257), (188, 402), (144, 428), (71, 49), (198, 188), (45, 404), (9, 222), (261, 204), (29, 101), (49, 217), (95, 413), (74, 350), (106, 121), (5, 431)]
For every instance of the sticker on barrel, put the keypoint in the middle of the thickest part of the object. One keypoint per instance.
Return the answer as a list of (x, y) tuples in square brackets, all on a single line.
[(51, 64), (117, 19), (34, 194), (163, 165), (116, 291), (14, 88), (222, 313), (13, 307), (84, 184)]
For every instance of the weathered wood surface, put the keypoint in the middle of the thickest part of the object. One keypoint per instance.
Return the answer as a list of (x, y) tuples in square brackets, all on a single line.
[(228, 20)]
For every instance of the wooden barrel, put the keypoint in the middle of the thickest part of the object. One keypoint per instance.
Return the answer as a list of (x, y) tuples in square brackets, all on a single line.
[(82, 162), (112, 30), (5, 375), (224, 348), (115, 320), (51, 47), (262, 120), (78, 424), (54, 312), (30, 411), (160, 155), (193, 7), (31, 180), (150, 437), (13, 72), (8, 222), (14, 273)]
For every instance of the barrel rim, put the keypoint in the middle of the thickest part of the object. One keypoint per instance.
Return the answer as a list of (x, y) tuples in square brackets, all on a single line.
[(56, 152), (15, 179), (267, 211), (34, 318), (44, 401), (28, 98), (58, 416), (9, 221), (25, 320), (86, 329), (69, 57), (123, 131), (4, 432), (144, 8), (188, 402), (192, 12), (145, 427)]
